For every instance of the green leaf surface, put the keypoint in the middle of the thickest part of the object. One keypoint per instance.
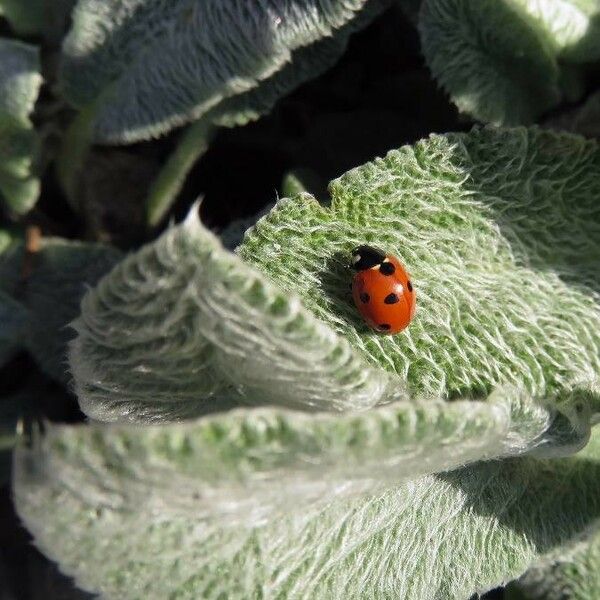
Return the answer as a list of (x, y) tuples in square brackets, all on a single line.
[(574, 575), (20, 81), (151, 66), (238, 110), (238, 507), (502, 68), (500, 230), (573, 572), (59, 275)]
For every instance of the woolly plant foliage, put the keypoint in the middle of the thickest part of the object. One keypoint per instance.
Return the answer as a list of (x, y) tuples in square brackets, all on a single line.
[(508, 55), (20, 81), (572, 573), (148, 67), (40, 295), (175, 511), (343, 502)]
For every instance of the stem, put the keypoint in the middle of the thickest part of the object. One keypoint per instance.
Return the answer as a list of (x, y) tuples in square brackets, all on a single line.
[(164, 189), (74, 151)]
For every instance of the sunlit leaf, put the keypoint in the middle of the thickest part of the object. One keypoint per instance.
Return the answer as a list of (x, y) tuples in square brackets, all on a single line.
[(261, 503)]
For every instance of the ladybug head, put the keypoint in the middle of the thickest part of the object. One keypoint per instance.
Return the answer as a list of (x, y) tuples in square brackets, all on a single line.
[(366, 257)]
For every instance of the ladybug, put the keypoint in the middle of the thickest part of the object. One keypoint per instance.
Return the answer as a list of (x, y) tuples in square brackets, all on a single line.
[(382, 290)]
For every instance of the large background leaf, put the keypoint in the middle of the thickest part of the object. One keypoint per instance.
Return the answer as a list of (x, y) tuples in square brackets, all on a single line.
[(25, 17), (20, 81), (573, 573), (150, 67)]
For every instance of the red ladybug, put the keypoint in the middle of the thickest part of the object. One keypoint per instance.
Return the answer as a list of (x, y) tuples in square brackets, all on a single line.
[(382, 290)]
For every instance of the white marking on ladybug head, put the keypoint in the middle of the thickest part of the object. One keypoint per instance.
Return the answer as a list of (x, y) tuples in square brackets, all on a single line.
[(355, 258)]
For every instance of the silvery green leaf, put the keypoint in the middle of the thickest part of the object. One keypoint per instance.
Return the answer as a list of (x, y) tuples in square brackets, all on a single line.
[(57, 277), (502, 68), (270, 503), (574, 574), (149, 67), (500, 232), (238, 110), (20, 81)]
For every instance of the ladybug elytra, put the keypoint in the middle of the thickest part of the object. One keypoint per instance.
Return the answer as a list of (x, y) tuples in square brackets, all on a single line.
[(382, 290)]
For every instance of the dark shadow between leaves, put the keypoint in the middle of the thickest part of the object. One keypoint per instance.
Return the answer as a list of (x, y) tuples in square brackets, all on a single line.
[(527, 497)]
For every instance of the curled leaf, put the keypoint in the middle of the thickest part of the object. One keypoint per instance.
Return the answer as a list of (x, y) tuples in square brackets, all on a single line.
[(183, 323), (187, 510)]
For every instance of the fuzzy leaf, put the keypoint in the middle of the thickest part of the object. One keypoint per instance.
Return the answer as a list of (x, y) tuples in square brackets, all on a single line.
[(188, 511), (20, 81), (500, 230), (151, 67), (236, 111), (59, 275), (574, 575), (502, 68)]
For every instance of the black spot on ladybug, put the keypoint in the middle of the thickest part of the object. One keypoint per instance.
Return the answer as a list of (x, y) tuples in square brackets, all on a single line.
[(384, 326), (409, 285), (387, 268), (364, 297), (391, 299)]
